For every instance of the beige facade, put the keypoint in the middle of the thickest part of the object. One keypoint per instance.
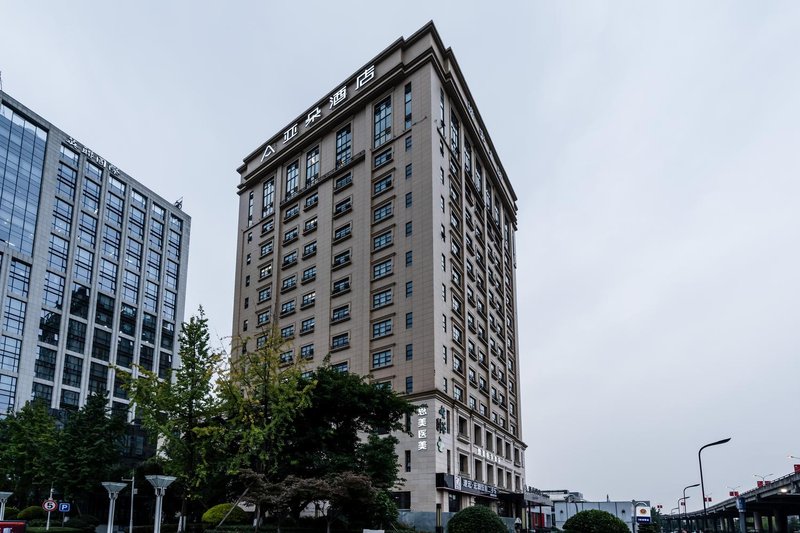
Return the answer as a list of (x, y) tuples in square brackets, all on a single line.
[(378, 227)]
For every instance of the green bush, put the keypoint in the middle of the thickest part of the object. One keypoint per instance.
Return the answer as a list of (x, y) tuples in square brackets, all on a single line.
[(215, 514), (84, 523), (42, 529), (594, 521), (11, 512), (476, 518), (29, 513)]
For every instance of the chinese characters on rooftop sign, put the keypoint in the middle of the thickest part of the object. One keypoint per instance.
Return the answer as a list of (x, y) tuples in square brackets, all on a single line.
[(313, 116), (93, 157)]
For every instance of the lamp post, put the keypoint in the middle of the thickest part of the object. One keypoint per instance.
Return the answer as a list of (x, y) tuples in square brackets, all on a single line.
[(685, 516), (679, 517), (160, 484), (4, 496), (133, 493), (684, 501), (113, 489), (763, 478), (635, 514), (702, 484)]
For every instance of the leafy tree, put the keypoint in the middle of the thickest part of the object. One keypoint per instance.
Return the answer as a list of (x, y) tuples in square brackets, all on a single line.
[(476, 518), (89, 447), (262, 396), (327, 437), (181, 413), (28, 443), (594, 521)]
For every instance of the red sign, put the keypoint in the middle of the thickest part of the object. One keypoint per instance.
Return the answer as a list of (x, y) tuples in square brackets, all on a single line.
[(759, 484), (797, 469), (708, 498), (733, 493), (12, 526)]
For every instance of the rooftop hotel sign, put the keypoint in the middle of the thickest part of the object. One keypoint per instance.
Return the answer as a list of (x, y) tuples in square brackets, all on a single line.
[(313, 116)]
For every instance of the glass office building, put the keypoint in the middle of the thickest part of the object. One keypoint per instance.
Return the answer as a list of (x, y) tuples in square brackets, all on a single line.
[(92, 269)]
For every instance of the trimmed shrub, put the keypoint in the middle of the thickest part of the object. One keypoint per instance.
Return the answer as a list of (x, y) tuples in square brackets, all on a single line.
[(11, 512), (594, 521), (81, 522), (32, 512), (215, 514), (476, 518)]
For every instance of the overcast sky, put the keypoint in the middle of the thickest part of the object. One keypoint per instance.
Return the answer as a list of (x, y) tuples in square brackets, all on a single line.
[(654, 148)]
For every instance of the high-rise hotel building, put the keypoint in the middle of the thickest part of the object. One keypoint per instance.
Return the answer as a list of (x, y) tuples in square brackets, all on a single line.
[(92, 269), (378, 227)]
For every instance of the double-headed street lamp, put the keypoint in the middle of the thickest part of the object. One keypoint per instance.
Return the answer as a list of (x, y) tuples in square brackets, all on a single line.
[(4, 496), (763, 478), (702, 485), (160, 483), (113, 489)]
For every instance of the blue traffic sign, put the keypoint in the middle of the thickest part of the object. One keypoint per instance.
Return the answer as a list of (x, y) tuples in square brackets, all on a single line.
[(63, 507)]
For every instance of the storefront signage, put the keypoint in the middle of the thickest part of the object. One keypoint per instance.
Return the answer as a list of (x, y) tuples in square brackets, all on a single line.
[(334, 99), (465, 484), (422, 427)]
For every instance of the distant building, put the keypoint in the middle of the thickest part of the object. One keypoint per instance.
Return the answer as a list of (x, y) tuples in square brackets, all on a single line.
[(92, 269), (379, 227), (567, 503)]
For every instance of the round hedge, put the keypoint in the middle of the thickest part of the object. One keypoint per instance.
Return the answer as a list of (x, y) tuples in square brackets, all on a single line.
[(32, 512), (215, 514), (476, 518), (594, 521), (11, 512)]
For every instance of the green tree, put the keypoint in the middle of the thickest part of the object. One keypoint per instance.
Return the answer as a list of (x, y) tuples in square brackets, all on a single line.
[(476, 518), (261, 396), (594, 521), (90, 448), (327, 437), (28, 443), (652, 527), (181, 414)]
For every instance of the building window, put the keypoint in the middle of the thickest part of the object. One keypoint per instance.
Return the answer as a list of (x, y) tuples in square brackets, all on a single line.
[(53, 295), (382, 269), (408, 105), (289, 283), (341, 286), (383, 121), (382, 212), (307, 325), (308, 299), (341, 367), (409, 288), (310, 225), (341, 341), (342, 232), (409, 384), (382, 240), (340, 313), (382, 185), (409, 228), (341, 259), (382, 359), (292, 179), (382, 298), (342, 182), (312, 166), (382, 158), (409, 258), (408, 461), (291, 212), (288, 307), (287, 332), (309, 274), (343, 207), (289, 259), (409, 199), (307, 351), (344, 141), (382, 328), (454, 135), (408, 171), (311, 200), (268, 198), (409, 320), (409, 352)]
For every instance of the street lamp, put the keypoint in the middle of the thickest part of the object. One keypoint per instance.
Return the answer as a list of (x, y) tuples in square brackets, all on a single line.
[(763, 478), (113, 489), (702, 485), (4, 496), (684, 502), (685, 516), (160, 483)]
